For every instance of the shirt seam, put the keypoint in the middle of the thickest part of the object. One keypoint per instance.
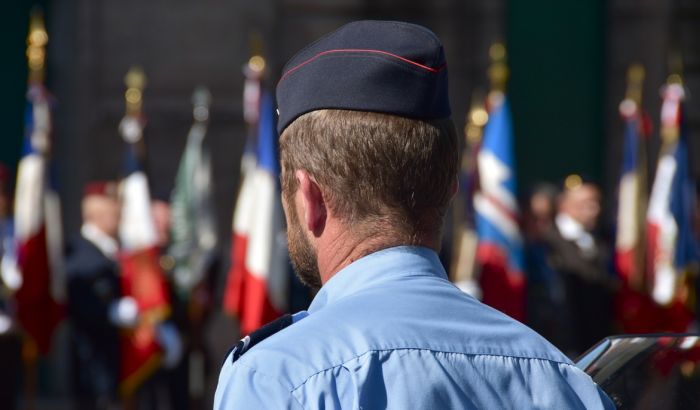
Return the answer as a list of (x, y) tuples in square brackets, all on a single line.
[(513, 356)]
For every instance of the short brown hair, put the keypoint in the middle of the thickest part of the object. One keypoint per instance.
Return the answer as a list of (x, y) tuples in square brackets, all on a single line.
[(377, 171)]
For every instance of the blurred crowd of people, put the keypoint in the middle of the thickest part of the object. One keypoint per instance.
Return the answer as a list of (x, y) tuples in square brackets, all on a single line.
[(98, 313)]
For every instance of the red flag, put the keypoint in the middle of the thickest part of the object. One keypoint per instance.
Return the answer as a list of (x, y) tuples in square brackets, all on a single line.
[(635, 310), (142, 279), (629, 213)]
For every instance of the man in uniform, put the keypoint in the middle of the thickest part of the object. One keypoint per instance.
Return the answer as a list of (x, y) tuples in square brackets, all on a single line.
[(95, 306), (579, 261), (369, 165)]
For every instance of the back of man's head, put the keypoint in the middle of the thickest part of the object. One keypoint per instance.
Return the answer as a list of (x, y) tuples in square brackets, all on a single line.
[(381, 173)]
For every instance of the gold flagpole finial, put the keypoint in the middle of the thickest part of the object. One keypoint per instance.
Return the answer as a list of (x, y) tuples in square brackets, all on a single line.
[(256, 63), (675, 78), (497, 72), (573, 181), (673, 94), (135, 81), (131, 126), (477, 117), (675, 67), (36, 46), (635, 83), (632, 103)]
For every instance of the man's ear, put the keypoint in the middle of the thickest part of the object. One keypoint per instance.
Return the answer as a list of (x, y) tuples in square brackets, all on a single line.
[(313, 203)]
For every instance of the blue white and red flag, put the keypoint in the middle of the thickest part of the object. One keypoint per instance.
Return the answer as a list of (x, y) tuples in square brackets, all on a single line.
[(141, 275), (500, 250), (629, 229), (39, 283), (257, 286), (671, 246)]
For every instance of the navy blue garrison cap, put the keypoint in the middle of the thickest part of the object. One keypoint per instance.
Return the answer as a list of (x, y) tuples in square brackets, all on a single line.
[(381, 66)]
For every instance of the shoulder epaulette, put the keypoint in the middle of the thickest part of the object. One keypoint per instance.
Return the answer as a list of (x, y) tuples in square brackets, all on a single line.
[(258, 336)]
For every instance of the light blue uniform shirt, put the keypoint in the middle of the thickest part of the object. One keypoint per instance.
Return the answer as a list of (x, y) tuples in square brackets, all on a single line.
[(390, 331)]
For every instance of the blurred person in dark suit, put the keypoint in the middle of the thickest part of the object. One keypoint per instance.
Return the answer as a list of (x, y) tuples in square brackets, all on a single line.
[(545, 293), (579, 258), (95, 308)]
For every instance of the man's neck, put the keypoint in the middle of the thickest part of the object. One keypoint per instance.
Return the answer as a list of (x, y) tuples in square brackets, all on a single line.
[(347, 246)]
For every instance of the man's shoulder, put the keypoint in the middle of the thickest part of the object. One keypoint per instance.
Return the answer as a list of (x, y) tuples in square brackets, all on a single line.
[(290, 355), (316, 353), (344, 331)]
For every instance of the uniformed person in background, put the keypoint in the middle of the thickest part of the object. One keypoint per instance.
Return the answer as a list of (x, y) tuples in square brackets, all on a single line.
[(369, 165), (580, 261), (95, 308)]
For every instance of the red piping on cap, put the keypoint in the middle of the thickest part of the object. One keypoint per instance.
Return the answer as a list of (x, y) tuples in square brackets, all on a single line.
[(358, 50)]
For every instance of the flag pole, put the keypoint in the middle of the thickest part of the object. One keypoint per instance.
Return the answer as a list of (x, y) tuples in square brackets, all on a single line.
[(195, 355), (633, 95), (131, 130), (464, 236)]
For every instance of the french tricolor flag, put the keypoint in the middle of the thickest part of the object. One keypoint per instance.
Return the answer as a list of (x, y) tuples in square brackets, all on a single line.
[(141, 275), (38, 278), (636, 312), (629, 220), (257, 286), (671, 246), (500, 249)]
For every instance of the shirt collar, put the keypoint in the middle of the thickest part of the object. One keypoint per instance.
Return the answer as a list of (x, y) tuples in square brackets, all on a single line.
[(105, 243), (572, 230), (382, 266), (569, 227)]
